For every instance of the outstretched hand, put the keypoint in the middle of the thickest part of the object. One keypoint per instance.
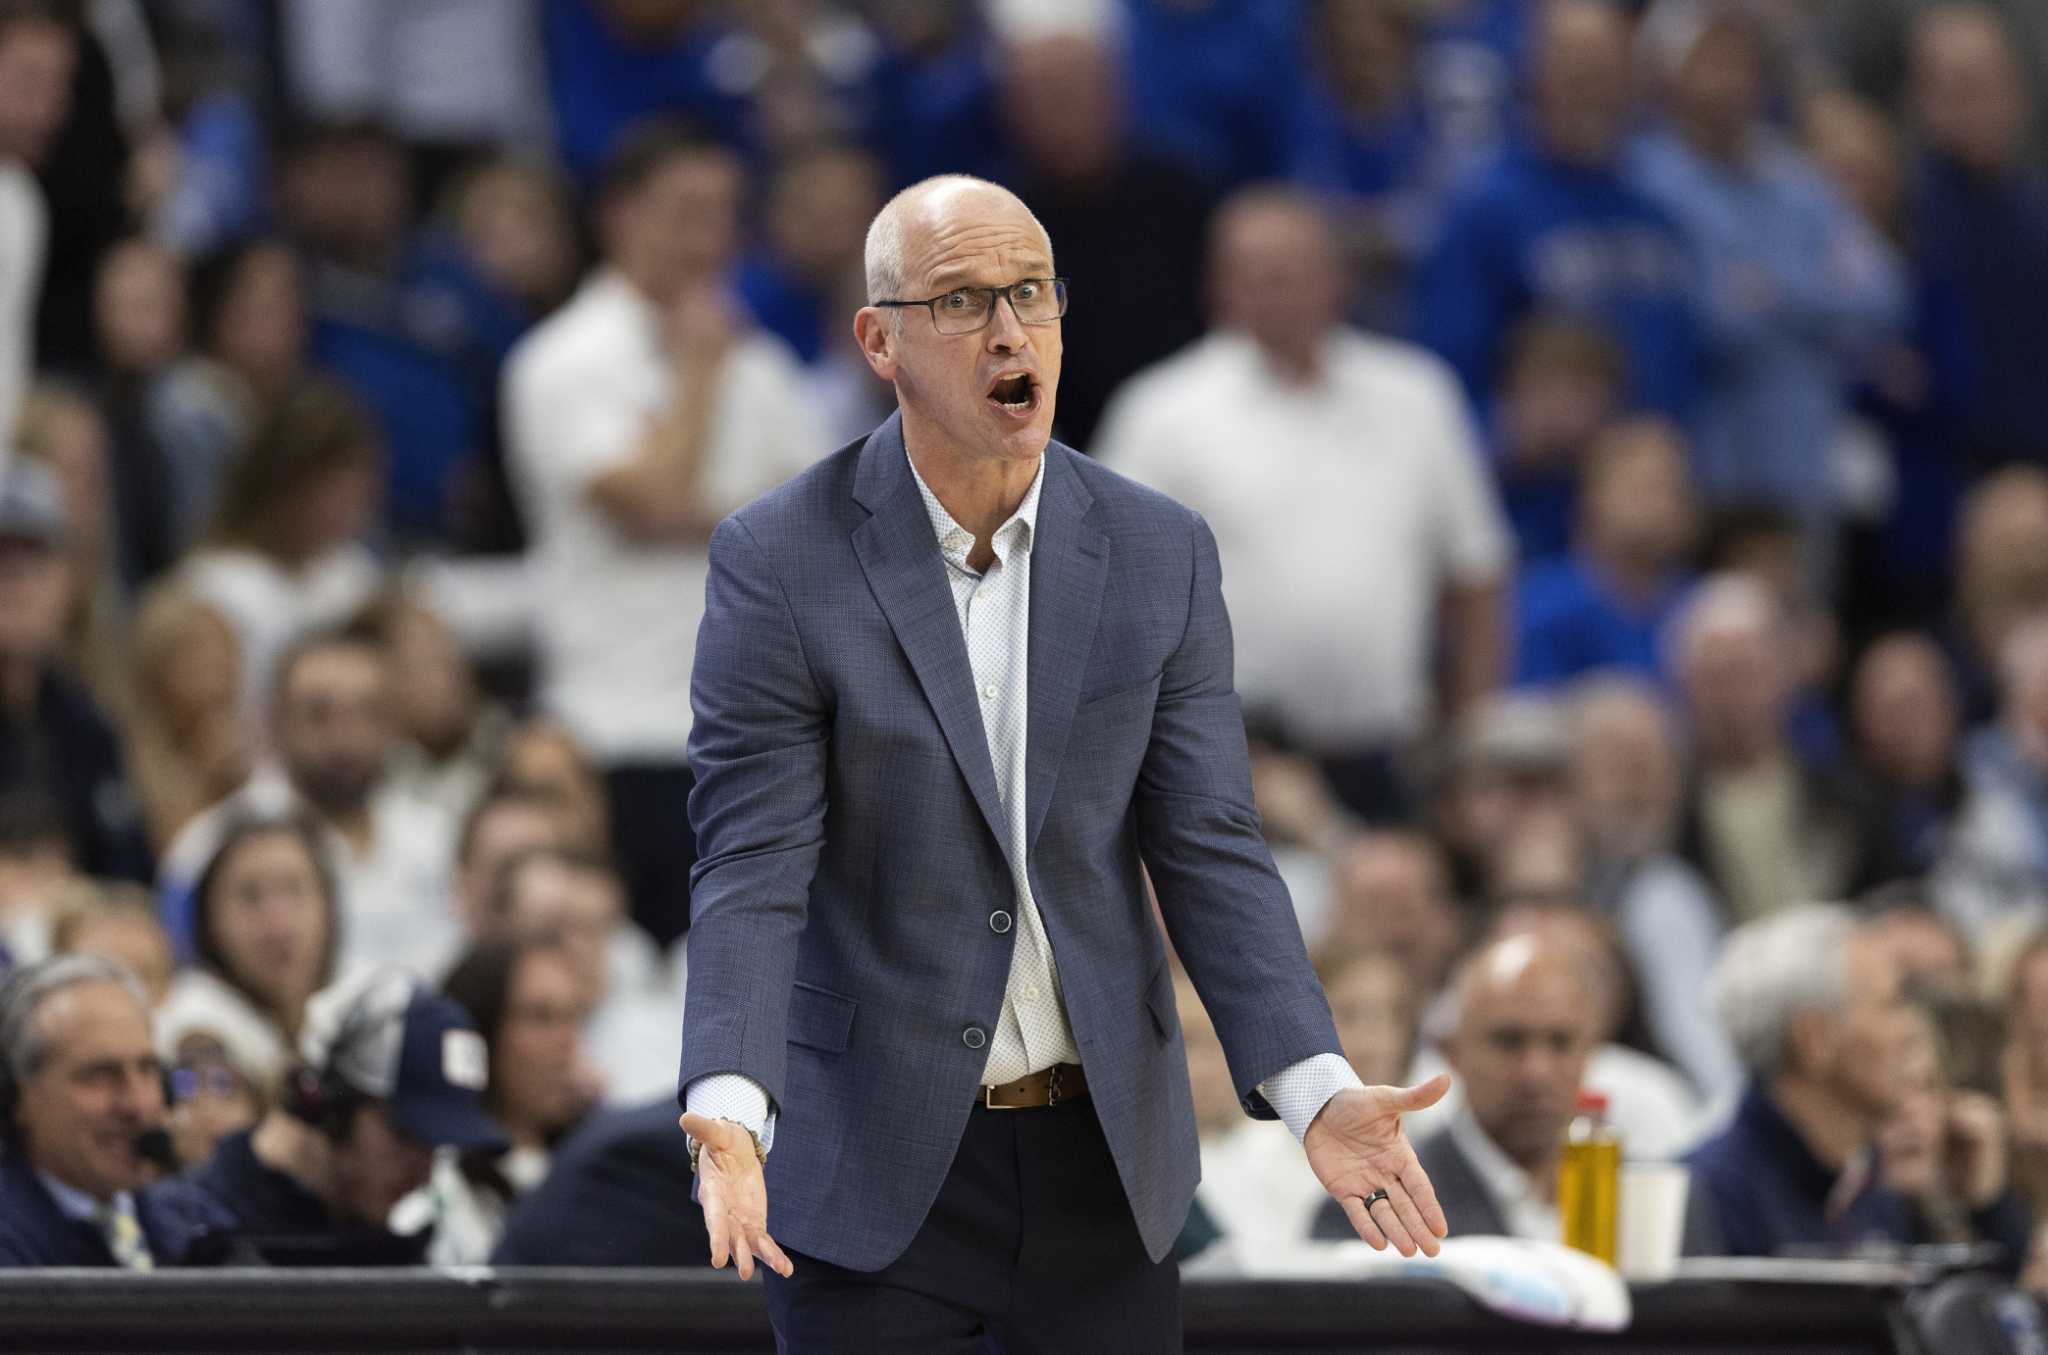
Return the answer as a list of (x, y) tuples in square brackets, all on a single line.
[(734, 1196), (1356, 1147)]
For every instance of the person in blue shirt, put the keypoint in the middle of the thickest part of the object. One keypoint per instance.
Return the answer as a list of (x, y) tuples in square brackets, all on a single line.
[(1605, 605), (1797, 291), (82, 1127), (1553, 225)]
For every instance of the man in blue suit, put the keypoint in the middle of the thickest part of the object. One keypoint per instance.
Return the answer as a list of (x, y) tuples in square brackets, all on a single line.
[(953, 686)]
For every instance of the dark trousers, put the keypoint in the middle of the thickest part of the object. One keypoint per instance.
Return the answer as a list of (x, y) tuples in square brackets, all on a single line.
[(651, 837), (1030, 1249)]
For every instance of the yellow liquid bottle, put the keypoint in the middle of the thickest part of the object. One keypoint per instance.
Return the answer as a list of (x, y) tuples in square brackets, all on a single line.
[(1589, 1181)]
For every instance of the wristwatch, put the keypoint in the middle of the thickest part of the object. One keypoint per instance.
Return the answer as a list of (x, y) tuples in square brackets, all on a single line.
[(760, 1150)]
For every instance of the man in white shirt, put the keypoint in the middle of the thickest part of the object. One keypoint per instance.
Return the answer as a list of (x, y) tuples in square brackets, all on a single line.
[(636, 418), (1342, 477), (37, 53)]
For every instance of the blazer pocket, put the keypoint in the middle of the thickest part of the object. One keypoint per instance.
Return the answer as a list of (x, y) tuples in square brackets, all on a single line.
[(819, 1019), (1159, 1002)]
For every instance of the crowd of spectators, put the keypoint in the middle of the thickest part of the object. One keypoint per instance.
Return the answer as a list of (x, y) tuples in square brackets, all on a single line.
[(1621, 424)]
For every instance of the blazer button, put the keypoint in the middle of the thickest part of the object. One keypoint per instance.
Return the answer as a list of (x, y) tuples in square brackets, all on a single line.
[(999, 921), (974, 1037)]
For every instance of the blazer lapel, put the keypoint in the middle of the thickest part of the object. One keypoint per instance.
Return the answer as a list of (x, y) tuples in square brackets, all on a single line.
[(908, 576), (1069, 556)]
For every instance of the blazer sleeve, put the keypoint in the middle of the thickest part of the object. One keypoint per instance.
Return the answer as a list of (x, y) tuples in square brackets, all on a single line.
[(758, 749), (1225, 907)]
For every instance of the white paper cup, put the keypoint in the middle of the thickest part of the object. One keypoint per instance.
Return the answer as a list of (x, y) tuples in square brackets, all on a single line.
[(1652, 1222)]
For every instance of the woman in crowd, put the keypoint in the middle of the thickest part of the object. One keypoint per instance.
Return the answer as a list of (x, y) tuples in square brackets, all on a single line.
[(188, 746)]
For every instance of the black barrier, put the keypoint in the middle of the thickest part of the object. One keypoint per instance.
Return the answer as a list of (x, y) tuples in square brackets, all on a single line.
[(515, 1312)]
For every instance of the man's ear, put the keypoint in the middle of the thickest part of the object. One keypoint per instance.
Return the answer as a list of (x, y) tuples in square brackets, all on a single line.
[(874, 328)]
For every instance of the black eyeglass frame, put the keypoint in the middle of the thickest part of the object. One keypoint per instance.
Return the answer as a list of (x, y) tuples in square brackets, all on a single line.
[(994, 295)]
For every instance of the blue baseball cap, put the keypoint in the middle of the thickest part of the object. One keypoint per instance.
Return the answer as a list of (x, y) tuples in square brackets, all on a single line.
[(392, 1037)]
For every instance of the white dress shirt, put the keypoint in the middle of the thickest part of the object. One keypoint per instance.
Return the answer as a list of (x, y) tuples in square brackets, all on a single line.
[(1524, 1211), (1032, 1032)]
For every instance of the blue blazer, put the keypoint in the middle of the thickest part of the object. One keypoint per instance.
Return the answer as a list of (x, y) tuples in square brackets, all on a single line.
[(182, 1226), (850, 831)]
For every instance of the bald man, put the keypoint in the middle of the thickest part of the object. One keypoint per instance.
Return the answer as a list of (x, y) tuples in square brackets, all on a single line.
[(954, 685)]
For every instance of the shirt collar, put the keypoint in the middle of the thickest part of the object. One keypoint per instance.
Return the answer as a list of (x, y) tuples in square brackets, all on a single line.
[(955, 541), (1507, 1183), (76, 1204)]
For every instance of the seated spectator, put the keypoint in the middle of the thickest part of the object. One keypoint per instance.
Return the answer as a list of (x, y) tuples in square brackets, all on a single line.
[(617, 1194), (449, 734), (2001, 578), (1904, 713), (63, 430), (635, 1028), (209, 1098), (81, 1094), (1373, 458), (1607, 603), (1560, 383), (1813, 1004), (1394, 893), (54, 739), (35, 871), (1507, 760), (139, 328), (508, 822), (188, 744), (266, 933), (1555, 228), (116, 921), (529, 1006), (283, 555), (1763, 825), (542, 758), (333, 731), (389, 1072), (1626, 780), (1525, 1029), (636, 417)]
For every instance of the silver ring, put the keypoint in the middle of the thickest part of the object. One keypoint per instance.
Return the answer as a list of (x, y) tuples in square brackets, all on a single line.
[(1374, 1199)]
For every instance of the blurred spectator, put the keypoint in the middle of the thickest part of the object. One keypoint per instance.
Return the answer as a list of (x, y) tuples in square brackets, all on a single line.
[(544, 759), (1554, 227), (516, 221), (1345, 675), (528, 1006), (1764, 826), (1993, 876), (53, 737), (117, 922), (1981, 224), (187, 743), (391, 1071), (1561, 381), (61, 428), (617, 1194), (1129, 224), (1373, 1002), (1814, 1007), (1904, 713), (635, 1004), (204, 165), (266, 932), (1626, 781), (37, 56), (139, 313), (2001, 577), (507, 822), (79, 1086), (2023, 1067), (1796, 290), (284, 555), (1394, 893), (333, 731), (35, 872), (1201, 92), (250, 330), (449, 733), (636, 417), (805, 278), (1606, 605), (1506, 761), (935, 110), (1934, 960)]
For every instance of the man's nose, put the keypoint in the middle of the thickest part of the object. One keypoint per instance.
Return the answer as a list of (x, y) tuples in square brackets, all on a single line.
[(1006, 333)]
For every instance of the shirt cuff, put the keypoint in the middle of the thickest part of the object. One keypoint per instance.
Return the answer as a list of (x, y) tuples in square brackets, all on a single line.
[(734, 1096), (1297, 1092)]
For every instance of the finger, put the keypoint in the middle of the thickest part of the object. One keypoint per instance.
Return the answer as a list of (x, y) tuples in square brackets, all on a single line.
[(721, 1239), (1362, 1223), (1411, 1219), (767, 1250), (702, 1128), (743, 1258), (1424, 1094), (1424, 1194), (1390, 1224)]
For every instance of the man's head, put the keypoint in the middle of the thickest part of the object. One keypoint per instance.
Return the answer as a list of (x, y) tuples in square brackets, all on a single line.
[(1525, 1028), (573, 897), (38, 50), (1373, 1002), (1714, 60), (1064, 103), (1905, 712), (1727, 649), (35, 575), (2002, 556), (668, 208), (346, 189), (1969, 87), (139, 306), (1394, 893), (333, 720), (1811, 1000), (819, 205), (1509, 761), (2023, 688), (1275, 274), (980, 394), (509, 822), (81, 1078), (1584, 81), (1636, 504), (1625, 766)]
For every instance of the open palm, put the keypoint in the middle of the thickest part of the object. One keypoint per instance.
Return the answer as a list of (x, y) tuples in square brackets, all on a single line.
[(1355, 1147)]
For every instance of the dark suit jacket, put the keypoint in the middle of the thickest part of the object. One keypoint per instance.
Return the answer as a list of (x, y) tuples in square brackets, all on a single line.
[(842, 952), (617, 1194), (182, 1226)]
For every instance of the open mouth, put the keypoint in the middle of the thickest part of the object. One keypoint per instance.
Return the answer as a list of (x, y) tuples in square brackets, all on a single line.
[(1016, 394)]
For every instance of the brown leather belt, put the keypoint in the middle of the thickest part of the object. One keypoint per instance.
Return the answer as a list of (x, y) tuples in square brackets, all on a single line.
[(1046, 1087)]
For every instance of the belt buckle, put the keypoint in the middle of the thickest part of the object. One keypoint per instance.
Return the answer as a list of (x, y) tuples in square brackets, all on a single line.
[(988, 1100)]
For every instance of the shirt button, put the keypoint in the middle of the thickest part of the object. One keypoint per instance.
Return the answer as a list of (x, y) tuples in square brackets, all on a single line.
[(1031, 992), (988, 692), (999, 921), (974, 1037)]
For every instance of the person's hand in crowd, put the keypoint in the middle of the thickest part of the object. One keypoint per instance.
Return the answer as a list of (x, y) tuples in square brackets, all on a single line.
[(1976, 1148), (702, 324), (734, 1195), (1356, 1148)]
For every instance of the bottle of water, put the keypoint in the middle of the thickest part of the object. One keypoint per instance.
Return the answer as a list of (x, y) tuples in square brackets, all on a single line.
[(1589, 1180)]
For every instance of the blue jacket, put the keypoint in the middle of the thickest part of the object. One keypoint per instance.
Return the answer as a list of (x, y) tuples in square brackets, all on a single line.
[(617, 1194), (182, 1225), (276, 1221), (842, 952)]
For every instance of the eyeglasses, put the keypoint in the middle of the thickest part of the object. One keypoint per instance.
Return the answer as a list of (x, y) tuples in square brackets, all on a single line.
[(1034, 301)]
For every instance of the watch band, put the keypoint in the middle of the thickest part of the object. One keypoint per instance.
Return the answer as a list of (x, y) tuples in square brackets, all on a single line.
[(760, 1151)]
